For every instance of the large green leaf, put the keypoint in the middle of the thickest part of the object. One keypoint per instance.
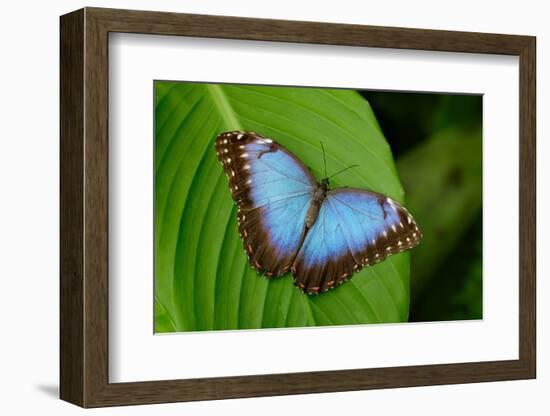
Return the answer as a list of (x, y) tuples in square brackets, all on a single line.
[(203, 280)]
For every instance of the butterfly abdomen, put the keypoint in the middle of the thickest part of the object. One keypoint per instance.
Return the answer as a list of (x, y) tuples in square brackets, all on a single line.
[(313, 211)]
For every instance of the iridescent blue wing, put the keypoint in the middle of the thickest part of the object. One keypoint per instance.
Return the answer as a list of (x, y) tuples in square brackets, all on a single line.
[(355, 228), (272, 190)]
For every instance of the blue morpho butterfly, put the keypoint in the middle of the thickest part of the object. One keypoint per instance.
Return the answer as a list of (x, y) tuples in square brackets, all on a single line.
[(288, 221)]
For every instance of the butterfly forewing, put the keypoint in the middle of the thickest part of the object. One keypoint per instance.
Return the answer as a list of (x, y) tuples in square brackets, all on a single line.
[(355, 228), (272, 190)]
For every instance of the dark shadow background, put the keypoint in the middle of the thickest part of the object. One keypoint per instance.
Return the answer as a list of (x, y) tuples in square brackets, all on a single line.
[(436, 140)]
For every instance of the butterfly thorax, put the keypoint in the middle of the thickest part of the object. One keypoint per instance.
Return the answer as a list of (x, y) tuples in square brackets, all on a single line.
[(319, 196)]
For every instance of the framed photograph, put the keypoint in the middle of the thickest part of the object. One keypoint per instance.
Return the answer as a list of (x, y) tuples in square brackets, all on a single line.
[(256, 207)]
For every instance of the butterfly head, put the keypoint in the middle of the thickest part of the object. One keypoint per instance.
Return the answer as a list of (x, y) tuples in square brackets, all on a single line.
[(325, 184), (325, 181)]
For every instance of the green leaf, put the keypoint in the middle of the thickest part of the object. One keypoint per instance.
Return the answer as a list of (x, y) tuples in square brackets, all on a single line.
[(202, 277), (163, 321)]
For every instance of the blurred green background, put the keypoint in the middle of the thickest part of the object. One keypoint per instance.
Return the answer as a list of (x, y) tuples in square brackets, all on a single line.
[(436, 140)]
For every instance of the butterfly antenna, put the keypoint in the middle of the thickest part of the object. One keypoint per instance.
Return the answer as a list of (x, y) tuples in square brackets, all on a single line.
[(324, 158), (343, 170)]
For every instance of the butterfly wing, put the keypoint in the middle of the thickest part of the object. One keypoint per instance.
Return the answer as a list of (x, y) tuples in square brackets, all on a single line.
[(355, 228), (272, 190)]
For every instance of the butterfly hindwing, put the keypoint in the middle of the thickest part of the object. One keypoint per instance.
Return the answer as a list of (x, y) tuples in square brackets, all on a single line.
[(272, 190), (355, 228)]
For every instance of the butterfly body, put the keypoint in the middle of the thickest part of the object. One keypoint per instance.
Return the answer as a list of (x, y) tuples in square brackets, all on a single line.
[(290, 222), (319, 196)]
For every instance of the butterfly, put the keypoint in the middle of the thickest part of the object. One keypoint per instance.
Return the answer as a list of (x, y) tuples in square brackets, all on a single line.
[(290, 222)]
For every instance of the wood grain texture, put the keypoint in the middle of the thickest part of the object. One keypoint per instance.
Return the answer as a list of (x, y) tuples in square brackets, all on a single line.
[(527, 208), (96, 209), (84, 207), (71, 99), (162, 23)]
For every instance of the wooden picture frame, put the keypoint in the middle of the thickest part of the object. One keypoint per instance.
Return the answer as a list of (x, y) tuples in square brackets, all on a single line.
[(84, 207)]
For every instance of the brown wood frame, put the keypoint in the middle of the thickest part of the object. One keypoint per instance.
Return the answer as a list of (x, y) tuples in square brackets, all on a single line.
[(84, 207)]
